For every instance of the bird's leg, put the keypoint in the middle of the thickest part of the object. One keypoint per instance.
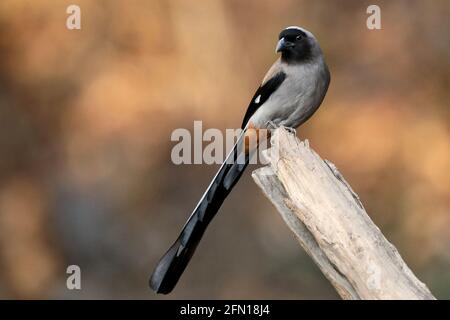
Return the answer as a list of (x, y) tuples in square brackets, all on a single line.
[(290, 130), (272, 126)]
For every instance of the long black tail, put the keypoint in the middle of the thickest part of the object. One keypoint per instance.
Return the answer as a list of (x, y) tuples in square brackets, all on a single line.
[(172, 264)]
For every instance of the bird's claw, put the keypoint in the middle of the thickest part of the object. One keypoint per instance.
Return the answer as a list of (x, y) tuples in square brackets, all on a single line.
[(290, 130), (271, 125)]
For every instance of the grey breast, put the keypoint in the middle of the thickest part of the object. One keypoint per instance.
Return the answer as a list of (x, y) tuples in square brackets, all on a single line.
[(297, 98)]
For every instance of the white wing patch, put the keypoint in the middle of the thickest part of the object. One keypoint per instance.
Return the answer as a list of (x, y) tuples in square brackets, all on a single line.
[(258, 98)]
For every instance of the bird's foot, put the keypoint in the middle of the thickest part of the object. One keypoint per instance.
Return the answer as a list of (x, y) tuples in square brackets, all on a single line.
[(290, 130), (271, 125)]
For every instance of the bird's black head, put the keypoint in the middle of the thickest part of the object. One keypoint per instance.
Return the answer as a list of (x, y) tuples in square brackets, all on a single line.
[(295, 45)]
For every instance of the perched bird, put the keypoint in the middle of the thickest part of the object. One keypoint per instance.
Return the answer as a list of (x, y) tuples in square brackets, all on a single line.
[(290, 93)]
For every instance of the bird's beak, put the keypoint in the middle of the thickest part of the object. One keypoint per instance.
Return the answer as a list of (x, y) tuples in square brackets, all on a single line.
[(283, 45)]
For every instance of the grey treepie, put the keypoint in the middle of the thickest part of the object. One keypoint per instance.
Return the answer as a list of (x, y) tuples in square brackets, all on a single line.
[(292, 90)]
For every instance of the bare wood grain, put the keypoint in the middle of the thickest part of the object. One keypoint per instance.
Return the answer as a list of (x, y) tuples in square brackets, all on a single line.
[(331, 224)]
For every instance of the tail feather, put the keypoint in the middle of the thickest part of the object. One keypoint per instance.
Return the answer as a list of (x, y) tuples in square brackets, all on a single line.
[(173, 263)]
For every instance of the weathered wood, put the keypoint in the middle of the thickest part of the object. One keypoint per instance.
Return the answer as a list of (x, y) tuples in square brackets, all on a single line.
[(332, 225)]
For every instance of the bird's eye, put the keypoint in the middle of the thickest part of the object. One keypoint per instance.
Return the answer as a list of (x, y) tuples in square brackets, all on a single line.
[(298, 37)]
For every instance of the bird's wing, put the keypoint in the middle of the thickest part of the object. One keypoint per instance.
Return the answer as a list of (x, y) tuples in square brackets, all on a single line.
[(267, 88)]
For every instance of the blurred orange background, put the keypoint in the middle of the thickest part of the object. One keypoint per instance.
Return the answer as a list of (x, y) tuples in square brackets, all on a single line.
[(85, 123)]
